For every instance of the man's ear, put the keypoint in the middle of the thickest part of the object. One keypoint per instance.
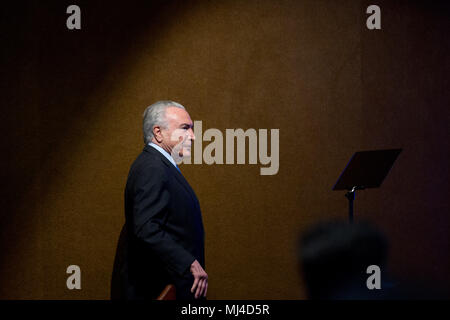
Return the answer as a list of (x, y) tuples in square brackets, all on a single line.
[(157, 134)]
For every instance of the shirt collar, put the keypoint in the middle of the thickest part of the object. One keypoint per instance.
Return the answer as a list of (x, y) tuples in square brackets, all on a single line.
[(164, 153)]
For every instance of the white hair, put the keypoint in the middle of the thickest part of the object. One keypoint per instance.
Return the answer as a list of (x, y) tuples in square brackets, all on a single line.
[(155, 115)]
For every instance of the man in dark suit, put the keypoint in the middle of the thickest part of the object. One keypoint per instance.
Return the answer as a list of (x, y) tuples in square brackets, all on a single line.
[(162, 241)]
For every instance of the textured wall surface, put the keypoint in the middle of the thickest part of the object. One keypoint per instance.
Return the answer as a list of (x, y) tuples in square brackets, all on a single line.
[(72, 108)]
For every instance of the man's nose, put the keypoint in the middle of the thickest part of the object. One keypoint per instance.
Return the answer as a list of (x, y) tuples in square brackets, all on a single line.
[(191, 134)]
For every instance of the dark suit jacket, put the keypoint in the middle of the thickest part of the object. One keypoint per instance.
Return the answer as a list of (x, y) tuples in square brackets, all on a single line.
[(163, 232)]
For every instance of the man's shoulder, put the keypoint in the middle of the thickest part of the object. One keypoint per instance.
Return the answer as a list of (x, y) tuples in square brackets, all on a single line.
[(147, 159), (149, 162)]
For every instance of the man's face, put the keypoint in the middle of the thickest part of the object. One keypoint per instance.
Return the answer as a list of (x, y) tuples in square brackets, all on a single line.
[(177, 137)]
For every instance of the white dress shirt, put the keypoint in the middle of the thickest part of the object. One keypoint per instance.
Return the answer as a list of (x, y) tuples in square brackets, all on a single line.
[(165, 154)]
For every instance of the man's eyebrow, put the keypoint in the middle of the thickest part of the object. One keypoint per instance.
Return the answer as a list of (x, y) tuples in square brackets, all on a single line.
[(187, 124)]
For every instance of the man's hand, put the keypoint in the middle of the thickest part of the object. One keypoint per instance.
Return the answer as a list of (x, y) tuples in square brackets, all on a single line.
[(200, 286)]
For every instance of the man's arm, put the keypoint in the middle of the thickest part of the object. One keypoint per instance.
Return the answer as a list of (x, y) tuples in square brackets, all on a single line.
[(151, 199)]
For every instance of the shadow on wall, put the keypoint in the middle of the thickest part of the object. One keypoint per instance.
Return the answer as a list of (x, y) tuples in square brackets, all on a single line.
[(48, 100)]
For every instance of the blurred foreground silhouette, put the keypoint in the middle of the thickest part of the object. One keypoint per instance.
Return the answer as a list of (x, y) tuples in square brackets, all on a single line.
[(334, 257)]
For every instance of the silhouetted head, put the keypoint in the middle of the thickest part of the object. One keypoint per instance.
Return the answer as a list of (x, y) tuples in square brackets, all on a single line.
[(334, 257)]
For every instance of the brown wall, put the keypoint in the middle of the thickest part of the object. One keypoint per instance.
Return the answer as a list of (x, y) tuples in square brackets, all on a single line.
[(72, 108)]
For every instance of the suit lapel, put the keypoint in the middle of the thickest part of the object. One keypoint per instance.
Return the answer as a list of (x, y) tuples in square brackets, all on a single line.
[(173, 169)]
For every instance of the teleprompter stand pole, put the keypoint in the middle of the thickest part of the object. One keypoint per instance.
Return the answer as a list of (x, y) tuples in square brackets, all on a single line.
[(350, 195)]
